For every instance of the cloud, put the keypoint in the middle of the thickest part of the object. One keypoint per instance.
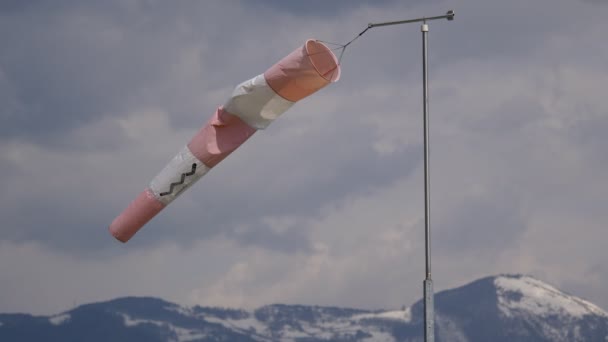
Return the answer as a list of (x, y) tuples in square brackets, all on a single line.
[(124, 148), (44, 281), (325, 206), (596, 2), (318, 7)]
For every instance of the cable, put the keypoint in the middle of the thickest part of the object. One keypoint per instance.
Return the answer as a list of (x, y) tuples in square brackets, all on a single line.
[(344, 46)]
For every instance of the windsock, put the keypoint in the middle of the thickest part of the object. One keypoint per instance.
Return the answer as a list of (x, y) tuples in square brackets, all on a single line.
[(254, 105)]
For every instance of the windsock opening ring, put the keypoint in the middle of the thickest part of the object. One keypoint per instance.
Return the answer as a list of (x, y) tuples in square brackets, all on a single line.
[(323, 60)]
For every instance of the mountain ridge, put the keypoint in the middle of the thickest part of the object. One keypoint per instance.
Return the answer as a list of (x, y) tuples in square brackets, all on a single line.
[(498, 308)]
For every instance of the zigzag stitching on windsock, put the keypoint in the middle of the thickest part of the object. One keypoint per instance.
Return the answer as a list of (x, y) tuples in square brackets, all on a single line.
[(183, 178)]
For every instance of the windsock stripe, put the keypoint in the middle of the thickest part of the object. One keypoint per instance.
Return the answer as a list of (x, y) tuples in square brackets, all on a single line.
[(219, 137), (137, 214), (178, 175), (256, 103)]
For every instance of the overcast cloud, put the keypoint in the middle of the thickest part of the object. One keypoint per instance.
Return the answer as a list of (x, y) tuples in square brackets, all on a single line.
[(325, 206)]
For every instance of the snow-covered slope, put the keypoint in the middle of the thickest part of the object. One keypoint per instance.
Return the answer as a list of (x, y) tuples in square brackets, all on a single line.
[(516, 308), (555, 315), (521, 294), (503, 308)]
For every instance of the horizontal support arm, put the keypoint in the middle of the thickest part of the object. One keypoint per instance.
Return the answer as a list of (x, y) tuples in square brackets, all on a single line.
[(449, 16)]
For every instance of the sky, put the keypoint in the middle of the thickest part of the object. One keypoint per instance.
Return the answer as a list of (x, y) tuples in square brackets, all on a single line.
[(325, 206)]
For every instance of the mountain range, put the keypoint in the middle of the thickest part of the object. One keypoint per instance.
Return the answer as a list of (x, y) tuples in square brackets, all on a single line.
[(499, 309)]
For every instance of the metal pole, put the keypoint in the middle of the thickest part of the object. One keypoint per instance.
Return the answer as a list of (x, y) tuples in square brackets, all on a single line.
[(429, 309), (429, 321)]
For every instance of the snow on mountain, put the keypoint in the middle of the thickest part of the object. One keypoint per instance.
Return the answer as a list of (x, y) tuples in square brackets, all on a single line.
[(59, 319), (535, 307), (181, 334), (297, 322), (498, 309), (517, 294), (131, 322), (398, 315)]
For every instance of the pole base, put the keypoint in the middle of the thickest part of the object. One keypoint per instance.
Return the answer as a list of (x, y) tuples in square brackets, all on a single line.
[(429, 312)]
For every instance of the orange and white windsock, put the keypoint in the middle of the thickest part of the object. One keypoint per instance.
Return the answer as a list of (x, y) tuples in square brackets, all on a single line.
[(254, 105)]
